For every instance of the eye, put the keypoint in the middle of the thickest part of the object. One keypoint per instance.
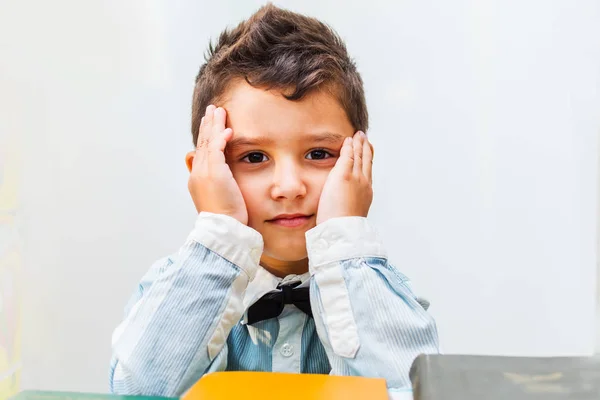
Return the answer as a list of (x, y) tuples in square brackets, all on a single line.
[(255, 158), (318, 154)]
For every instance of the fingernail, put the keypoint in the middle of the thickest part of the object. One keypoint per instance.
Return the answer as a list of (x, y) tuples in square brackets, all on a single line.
[(361, 133)]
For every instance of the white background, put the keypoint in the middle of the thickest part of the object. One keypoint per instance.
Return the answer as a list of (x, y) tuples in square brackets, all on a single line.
[(484, 115)]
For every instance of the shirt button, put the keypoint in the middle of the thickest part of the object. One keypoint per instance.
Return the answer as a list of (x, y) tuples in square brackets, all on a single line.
[(287, 350)]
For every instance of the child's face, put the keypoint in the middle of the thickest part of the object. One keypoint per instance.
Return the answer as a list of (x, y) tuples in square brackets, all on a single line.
[(280, 155)]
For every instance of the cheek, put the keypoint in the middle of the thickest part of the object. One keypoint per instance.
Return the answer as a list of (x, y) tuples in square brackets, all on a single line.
[(254, 189), (318, 179)]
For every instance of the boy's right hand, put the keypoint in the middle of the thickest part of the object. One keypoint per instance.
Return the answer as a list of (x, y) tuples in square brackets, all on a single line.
[(211, 182)]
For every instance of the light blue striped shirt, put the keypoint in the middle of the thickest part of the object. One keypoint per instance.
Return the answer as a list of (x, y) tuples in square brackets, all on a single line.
[(188, 315)]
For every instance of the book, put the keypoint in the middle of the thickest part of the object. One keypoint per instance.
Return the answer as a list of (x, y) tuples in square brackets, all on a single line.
[(276, 386), (470, 377), (58, 395), (249, 386)]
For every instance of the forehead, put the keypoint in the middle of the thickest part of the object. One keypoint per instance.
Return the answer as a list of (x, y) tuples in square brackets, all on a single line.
[(254, 112)]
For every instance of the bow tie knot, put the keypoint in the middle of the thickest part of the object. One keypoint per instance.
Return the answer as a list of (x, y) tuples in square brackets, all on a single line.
[(287, 294), (272, 304)]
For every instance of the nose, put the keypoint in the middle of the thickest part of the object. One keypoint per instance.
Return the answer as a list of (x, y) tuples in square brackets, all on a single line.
[(288, 182)]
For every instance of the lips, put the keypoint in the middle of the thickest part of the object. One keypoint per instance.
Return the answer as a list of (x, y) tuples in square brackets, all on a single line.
[(290, 220)]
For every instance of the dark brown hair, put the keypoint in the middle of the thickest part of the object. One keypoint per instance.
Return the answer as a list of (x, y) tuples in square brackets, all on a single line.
[(277, 48)]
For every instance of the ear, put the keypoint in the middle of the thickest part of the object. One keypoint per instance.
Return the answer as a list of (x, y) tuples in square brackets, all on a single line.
[(189, 159)]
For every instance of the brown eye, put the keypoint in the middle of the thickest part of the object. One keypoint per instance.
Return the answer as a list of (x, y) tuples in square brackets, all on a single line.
[(318, 155), (255, 158)]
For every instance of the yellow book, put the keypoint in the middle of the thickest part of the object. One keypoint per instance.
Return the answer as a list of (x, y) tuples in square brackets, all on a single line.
[(276, 386), (249, 386)]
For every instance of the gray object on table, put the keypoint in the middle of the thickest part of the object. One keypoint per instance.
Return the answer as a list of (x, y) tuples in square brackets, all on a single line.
[(469, 377)]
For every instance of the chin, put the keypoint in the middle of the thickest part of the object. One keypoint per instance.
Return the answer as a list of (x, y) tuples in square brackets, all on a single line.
[(287, 253), (288, 256)]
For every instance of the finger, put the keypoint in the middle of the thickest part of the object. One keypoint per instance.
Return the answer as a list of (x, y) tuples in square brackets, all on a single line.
[(204, 130), (208, 120), (357, 147), (200, 138), (219, 118), (218, 144), (346, 160), (223, 139), (367, 158)]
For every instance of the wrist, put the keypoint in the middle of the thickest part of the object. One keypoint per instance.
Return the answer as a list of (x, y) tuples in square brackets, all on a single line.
[(342, 238), (239, 216), (229, 238), (325, 218)]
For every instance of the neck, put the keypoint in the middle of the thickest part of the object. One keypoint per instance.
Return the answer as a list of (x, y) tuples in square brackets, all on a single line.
[(282, 269)]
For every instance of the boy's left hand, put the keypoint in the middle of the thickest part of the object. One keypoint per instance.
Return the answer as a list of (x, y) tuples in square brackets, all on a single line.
[(348, 189)]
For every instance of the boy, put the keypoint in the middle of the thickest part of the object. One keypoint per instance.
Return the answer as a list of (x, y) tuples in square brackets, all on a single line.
[(282, 271)]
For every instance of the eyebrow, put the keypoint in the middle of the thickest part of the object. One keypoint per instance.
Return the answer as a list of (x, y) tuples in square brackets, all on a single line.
[(236, 142), (328, 137), (325, 137)]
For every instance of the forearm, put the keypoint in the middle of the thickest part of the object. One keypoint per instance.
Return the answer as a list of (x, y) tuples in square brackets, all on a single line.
[(368, 319), (181, 321)]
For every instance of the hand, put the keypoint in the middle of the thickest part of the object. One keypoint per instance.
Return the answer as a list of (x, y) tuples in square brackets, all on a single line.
[(211, 182), (348, 189)]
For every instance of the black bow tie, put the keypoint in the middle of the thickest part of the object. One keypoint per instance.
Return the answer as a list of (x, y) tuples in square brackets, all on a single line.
[(271, 304)]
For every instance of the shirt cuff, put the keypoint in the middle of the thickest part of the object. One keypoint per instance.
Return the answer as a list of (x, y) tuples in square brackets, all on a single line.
[(229, 238), (342, 238)]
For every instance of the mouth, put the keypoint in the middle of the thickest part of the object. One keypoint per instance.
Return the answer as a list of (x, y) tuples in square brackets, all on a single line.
[(291, 220)]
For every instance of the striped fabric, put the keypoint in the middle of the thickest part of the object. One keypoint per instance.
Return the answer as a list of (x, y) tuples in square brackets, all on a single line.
[(186, 318)]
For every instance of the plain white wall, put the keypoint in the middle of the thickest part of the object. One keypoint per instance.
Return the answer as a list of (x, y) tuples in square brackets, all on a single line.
[(484, 116)]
